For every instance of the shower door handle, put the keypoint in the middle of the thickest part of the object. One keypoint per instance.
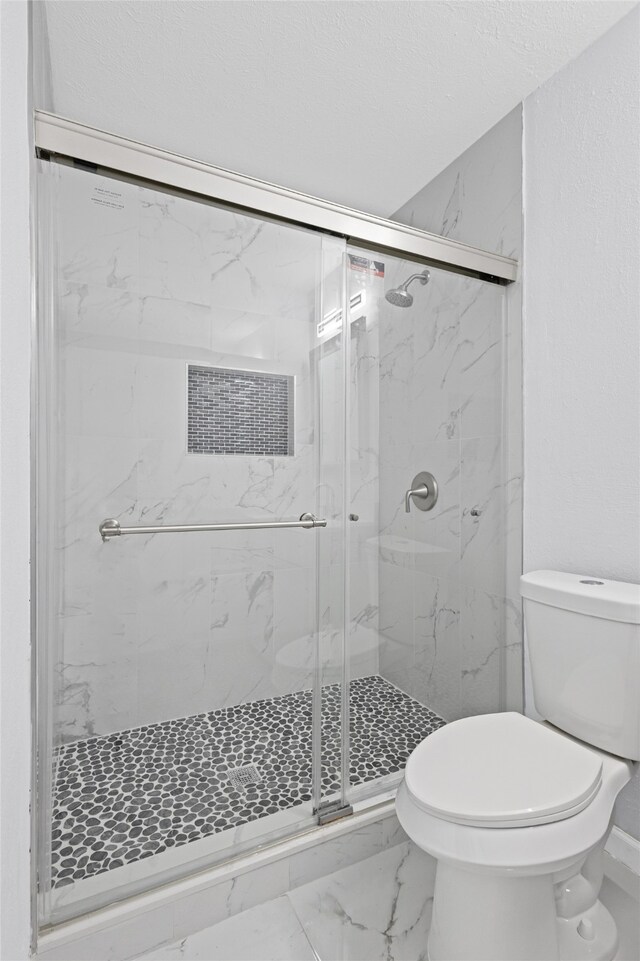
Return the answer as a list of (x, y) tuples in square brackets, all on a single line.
[(111, 527)]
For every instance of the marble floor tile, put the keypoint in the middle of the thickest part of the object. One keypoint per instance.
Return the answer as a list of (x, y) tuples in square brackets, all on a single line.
[(626, 912), (377, 909), (269, 932)]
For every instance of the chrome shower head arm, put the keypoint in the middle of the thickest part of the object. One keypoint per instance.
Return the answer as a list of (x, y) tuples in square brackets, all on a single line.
[(423, 277)]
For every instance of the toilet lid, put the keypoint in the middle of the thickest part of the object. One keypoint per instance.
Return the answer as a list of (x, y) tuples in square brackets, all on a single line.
[(502, 770)]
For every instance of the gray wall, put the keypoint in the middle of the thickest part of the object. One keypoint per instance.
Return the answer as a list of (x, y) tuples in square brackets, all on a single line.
[(581, 305), (15, 348)]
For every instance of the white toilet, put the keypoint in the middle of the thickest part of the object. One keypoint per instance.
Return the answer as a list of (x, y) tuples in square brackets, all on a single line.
[(517, 811)]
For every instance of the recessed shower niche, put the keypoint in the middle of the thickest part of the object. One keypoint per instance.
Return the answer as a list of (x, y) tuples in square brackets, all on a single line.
[(267, 634), (239, 411)]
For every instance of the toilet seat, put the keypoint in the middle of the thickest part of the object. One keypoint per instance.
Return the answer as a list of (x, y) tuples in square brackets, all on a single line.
[(502, 770)]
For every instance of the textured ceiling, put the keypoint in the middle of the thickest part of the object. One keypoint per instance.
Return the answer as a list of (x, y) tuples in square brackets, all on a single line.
[(359, 102)]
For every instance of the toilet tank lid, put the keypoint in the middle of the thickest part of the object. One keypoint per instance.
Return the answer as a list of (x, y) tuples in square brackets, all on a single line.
[(584, 594)]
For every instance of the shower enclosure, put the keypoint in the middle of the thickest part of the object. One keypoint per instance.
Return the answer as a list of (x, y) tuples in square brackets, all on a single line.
[(241, 632)]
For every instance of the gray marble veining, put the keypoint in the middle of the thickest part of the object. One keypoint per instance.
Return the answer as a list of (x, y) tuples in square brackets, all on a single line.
[(383, 914)]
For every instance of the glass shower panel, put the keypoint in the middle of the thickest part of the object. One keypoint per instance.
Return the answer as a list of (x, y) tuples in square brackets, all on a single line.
[(330, 359), (188, 386), (426, 638)]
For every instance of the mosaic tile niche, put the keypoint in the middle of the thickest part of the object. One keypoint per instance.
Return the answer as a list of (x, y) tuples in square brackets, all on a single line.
[(239, 412)]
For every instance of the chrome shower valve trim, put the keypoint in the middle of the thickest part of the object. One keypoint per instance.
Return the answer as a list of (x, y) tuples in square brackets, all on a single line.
[(423, 492)]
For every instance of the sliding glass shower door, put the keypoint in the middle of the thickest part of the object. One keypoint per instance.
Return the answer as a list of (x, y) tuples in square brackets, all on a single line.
[(192, 378), (245, 621), (432, 633)]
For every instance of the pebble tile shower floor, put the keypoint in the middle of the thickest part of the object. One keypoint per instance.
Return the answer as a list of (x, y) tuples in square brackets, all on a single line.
[(128, 796)]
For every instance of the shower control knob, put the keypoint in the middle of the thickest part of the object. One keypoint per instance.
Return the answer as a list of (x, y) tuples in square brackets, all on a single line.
[(354, 517), (423, 492)]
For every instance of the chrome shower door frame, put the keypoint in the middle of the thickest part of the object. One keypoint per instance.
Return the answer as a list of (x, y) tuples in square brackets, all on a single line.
[(99, 149), (116, 157)]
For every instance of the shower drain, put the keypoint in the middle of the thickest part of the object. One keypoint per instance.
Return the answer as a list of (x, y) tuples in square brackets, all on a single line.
[(242, 777)]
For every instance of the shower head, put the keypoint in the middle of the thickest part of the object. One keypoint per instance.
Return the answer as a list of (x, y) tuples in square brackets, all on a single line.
[(400, 296)]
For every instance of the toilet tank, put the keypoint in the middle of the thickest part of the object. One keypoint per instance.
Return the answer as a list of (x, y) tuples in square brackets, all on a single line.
[(583, 637)]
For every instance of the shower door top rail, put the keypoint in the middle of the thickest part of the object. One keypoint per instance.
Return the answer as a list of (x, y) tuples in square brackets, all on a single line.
[(111, 527), (58, 139)]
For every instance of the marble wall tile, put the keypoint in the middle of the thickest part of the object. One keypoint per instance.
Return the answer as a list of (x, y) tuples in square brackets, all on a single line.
[(482, 547), (96, 682), (166, 321), (513, 518), (419, 636), (148, 283), (174, 242), (395, 478), (464, 350), (90, 313), (90, 376), (396, 626), (482, 347), (491, 643), (294, 638), (242, 261), (478, 198), (514, 655), (396, 340), (437, 650), (482, 640), (241, 628), (243, 338), (363, 637), (173, 617), (393, 832), (322, 859), (99, 242), (228, 898), (437, 532), (435, 382)]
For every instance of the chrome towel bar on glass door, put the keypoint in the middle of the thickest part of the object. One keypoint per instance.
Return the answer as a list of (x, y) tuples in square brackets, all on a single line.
[(111, 528)]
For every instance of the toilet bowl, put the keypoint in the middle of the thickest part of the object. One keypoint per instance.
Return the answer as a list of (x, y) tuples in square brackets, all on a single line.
[(512, 839), (517, 811)]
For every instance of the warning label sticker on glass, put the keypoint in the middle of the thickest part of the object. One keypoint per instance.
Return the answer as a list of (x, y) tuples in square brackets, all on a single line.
[(103, 197), (365, 266)]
